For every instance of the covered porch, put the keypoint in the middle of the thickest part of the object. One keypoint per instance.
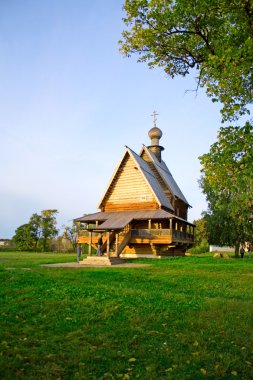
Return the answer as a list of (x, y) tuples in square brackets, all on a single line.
[(126, 232)]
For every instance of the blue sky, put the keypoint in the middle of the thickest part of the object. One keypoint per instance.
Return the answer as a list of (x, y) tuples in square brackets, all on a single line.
[(70, 102)]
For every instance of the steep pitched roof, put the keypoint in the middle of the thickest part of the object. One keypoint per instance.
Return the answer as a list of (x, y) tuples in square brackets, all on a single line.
[(154, 184), (166, 175), (148, 176)]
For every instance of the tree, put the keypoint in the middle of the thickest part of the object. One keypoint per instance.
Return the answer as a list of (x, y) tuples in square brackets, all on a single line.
[(48, 226), (227, 181), (23, 238), (215, 38), (200, 234), (37, 231), (27, 236), (71, 233)]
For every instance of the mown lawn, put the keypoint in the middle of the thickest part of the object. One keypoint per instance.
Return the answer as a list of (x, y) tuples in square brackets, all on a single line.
[(179, 318)]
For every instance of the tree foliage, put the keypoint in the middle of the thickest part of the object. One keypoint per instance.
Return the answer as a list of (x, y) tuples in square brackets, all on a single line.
[(200, 234), (35, 229), (71, 233), (48, 226), (227, 181), (23, 237), (215, 38), (37, 232)]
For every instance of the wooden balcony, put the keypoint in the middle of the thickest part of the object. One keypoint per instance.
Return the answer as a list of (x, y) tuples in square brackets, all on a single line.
[(147, 236), (160, 236)]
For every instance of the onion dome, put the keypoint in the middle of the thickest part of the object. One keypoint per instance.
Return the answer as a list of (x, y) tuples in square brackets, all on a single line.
[(155, 134)]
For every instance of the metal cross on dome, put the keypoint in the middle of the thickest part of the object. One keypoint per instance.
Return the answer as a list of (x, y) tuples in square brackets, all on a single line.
[(154, 114)]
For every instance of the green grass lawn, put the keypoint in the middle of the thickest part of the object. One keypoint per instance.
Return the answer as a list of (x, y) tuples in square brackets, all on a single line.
[(179, 318)]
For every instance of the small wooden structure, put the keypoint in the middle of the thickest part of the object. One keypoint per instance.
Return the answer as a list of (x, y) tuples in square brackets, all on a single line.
[(143, 212)]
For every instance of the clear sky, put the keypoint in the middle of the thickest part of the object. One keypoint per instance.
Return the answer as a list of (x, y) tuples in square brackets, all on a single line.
[(70, 102)]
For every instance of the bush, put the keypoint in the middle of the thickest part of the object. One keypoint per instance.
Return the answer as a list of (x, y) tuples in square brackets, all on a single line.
[(202, 248)]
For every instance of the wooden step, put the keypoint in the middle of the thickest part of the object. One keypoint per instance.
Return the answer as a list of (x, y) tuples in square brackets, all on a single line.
[(102, 261)]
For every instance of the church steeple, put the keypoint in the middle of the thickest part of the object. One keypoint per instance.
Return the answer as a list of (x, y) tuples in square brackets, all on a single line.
[(155, 134)]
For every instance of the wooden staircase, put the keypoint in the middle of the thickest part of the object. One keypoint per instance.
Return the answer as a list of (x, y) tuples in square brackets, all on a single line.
[(123, 240)]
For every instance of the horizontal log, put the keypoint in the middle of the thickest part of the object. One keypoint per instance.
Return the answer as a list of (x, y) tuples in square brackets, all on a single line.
[(83, 239), (144, 249), (154, 240), (128, 184), (86, 239), (130, 206)]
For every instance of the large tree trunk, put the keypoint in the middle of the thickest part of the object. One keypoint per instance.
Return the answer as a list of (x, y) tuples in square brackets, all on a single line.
[(237, 246)]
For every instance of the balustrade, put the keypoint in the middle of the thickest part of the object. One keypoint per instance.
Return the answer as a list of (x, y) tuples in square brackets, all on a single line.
[(156, 233), (176, 235)]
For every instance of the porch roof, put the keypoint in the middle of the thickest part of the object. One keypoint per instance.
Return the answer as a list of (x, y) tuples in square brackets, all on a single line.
[(119, 219)]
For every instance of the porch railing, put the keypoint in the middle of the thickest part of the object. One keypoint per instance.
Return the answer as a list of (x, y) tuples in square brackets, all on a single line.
[(86, 233), (156, 233), (176, 235)]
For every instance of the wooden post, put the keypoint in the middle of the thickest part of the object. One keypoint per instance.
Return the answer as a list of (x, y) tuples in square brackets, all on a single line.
[(90, 242), (117, 244), (108, 244)]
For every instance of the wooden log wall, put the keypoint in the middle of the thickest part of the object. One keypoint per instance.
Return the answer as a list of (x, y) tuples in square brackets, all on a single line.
[(155, 240), (181, 209), (143, 249), (152, 250), (129, 206), (129, 190)]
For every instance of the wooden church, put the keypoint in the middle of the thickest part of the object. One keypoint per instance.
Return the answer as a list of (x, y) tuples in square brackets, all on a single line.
[(143, 212)]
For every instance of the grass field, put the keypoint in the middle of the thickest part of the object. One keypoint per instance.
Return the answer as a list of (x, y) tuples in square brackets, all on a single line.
[(179, 318)]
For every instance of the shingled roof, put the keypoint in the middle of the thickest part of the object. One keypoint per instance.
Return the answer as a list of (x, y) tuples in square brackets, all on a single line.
[(166, 175), (119, 219), (154, 184)]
